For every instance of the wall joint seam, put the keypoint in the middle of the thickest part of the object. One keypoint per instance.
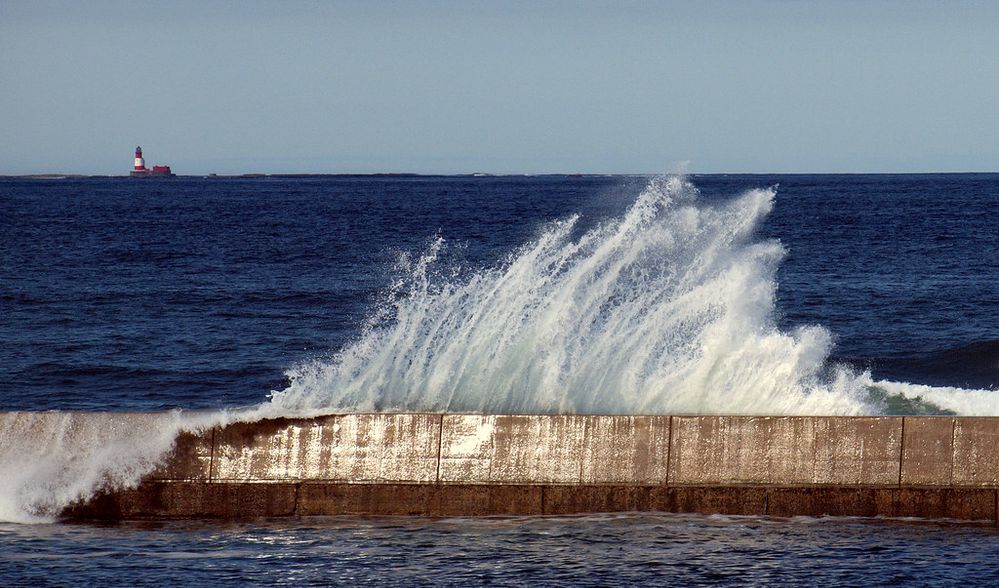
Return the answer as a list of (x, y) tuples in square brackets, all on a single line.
[(440, 441), (901, 452), (953, 448), (669, 449), (211, 458), (995, 514), (296, 509)]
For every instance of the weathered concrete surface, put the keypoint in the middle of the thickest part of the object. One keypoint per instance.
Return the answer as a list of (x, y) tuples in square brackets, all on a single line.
[(740, 500), (944, 451), (346, 448), (502, 449), (190, 500), (466, 499), (831, 501), (191, 459), (155, 500), (973, 504), (447, 465), (928, 451), (383, 499), (736, 500), (976, 451), (785, 450), (419, 499)]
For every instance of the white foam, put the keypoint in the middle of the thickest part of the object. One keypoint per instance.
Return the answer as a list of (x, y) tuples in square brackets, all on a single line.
[(666, 310), (957, 400), (48, 460)]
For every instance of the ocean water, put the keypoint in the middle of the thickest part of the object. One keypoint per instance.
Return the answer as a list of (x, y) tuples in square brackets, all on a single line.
[(243, 298), (195, 293), (631, 549)]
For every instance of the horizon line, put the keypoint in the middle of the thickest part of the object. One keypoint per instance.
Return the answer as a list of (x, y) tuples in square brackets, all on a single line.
[(252, 175), (259, 175)]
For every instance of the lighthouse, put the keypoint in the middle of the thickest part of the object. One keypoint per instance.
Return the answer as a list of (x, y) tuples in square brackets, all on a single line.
[(140, 170), (140, 163)]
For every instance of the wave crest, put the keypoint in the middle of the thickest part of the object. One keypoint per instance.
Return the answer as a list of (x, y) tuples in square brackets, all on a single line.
[(668, 309)]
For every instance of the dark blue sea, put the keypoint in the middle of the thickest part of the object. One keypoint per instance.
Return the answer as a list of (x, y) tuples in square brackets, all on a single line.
[(852, 294)]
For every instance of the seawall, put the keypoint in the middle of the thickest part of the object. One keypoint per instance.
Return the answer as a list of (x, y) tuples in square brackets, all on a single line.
[(449, 465)]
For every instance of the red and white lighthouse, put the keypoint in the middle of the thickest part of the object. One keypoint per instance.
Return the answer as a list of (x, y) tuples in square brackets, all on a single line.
[(140, 163), (141, 171)]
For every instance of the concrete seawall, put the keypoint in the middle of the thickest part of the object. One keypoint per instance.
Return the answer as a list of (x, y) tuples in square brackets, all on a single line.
[(446, 465)]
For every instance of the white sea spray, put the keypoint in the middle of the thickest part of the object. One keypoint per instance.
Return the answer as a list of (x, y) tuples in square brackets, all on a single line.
[(669, 309)]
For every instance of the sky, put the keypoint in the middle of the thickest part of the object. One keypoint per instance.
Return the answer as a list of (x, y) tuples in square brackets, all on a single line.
[(756, 86)]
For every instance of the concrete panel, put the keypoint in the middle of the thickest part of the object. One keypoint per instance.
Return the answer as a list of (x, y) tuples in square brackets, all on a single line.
[(830, 501), (318, 498), (512, 449), (971, 504), (484, 500), (554, 449), (625, 450), (466, 448), (355, 448), (927, 451), (737, 500), (785, 450), (976, 451), (602, 498), (537, 449)]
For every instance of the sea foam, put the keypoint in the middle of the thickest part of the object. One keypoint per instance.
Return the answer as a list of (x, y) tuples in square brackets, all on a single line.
[(668, 309)]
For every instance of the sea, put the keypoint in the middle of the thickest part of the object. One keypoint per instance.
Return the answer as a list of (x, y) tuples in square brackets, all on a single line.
[(211, 300)]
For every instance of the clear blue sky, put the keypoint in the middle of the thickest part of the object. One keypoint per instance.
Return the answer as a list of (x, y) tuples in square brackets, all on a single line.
[(503, 87)]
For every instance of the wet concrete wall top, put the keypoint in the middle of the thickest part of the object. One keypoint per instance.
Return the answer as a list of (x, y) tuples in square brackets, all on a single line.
[(586, 450)]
